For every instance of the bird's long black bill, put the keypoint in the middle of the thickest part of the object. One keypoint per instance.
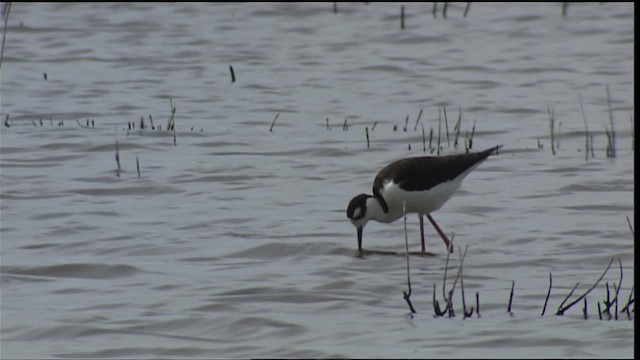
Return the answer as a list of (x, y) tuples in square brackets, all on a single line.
[(360, 238)]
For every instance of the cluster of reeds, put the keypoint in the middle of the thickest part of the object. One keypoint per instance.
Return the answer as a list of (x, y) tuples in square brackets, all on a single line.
[(434, 11), (445, 7), (434, 143), (610, 132), (151, 125), (90, 122), (611, 306), (442, 116), (607, 308), (118, 166), (447, 294)]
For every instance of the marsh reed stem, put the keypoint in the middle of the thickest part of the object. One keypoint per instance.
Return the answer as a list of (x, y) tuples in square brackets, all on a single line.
[(584, 310), (551, 129), (430, 140), (630, 301), (473, 131), (424, 142), (366, 130), (456, 128), (446, 125), (415, 127), (6, 9), (609, 150), (546, 300), (586, 130), (276, 118), (465, 313), (466, 10), (439, 131), (233, 74), (444, 278), (407, 295), (613, 129), (599, 311), (513, 284), (117, 158), (436, 305), (172, 121)]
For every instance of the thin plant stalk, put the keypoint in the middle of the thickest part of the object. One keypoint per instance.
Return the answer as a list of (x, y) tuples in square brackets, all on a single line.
[(586, 129), (276, 118), (456, 128), (551, 129), (613, 130), (415, 127), (466, 10), (233, 74), (117, 159), (406, 294), (544, 308), (446, 125), (6, 9), (366, 130), (513, 285)]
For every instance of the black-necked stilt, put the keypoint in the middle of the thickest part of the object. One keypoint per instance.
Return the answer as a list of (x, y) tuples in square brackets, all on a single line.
[(423, 184)]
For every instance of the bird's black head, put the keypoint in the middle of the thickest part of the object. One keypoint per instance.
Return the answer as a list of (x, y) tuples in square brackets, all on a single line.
[(357, 208), (357, 214)]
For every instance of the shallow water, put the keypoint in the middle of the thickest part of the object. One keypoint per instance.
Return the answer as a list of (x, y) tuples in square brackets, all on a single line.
[(234, 242)]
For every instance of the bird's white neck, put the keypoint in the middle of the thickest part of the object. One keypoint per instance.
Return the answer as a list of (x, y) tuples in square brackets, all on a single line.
[(376, 212)]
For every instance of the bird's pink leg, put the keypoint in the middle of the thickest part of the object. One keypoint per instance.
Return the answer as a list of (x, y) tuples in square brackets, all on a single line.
[(446, 240), (422, 233)]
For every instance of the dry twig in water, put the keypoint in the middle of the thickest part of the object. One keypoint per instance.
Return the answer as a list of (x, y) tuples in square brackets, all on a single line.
[(562, 309), (513, 285), (544, 308), (407, 295)]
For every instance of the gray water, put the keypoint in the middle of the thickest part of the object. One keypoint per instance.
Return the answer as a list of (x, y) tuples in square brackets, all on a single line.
[(234, 242)]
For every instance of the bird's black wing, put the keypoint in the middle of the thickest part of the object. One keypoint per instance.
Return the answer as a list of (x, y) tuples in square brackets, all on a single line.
[(423, 173)]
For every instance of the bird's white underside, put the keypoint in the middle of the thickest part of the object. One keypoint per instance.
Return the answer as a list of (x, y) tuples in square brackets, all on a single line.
[(421, 202)]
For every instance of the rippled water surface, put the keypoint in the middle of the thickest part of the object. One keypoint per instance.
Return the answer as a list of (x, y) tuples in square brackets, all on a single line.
[(228, 237)]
